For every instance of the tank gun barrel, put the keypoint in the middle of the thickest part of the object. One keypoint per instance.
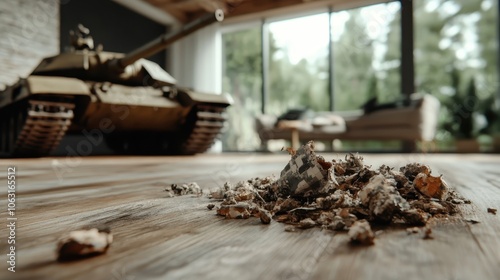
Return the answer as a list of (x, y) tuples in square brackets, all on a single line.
[(165, 40)]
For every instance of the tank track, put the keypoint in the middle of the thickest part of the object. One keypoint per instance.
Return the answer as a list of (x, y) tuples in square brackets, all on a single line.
[(36, 131), (208, 123), (203, 125)]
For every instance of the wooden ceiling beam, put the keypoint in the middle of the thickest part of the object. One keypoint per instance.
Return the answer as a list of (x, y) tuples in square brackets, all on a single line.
[(186, 10), (256, 6), (213, 5), (178, 14), (192, 5), (166, 6), (258, 9)]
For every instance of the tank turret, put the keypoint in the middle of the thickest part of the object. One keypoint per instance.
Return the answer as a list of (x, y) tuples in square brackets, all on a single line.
[(86, 63), (144, 109)]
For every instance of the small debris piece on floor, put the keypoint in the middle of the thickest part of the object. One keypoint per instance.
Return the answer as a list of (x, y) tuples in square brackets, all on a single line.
[(336, 194), (430, 186), (457, 201), (183, 189), (83, 243), (210, 206), (492, 211), (361, 233), (382, 199), (265, 216), (307, 223), (416, 217), (472, 221), (290, 228), (234, 211), (412, 230), (428, 233), (290, 150)]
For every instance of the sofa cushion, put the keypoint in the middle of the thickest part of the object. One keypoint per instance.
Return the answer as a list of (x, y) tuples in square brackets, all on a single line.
[(385, 118)]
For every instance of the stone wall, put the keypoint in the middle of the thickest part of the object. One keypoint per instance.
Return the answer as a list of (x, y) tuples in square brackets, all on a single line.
[(29, 31)]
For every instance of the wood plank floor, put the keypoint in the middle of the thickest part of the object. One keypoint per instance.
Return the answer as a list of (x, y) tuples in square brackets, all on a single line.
[(157, 237)]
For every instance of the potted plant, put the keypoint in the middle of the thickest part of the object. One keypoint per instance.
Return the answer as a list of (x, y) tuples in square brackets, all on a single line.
[(462, 107)]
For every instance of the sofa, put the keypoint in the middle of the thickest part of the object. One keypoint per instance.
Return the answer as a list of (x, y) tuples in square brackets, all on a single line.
[(414, 122)]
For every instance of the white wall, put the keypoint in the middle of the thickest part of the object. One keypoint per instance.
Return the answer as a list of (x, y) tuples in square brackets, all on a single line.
[(29, 31), (195, 61)]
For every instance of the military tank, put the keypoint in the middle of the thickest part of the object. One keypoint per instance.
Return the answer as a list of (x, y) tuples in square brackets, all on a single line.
[(123, 99)]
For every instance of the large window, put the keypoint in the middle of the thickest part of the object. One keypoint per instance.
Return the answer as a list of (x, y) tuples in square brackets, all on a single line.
[(456, 50), (298, 64), (242, 78), (366, 51), (366, 61)]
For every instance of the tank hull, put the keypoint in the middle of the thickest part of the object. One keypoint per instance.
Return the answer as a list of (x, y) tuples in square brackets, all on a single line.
[(39, 111)]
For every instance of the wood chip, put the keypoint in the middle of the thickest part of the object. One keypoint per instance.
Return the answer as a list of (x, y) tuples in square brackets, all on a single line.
[(265, 216), (183, 189), (412, 230), (361, 233), (290, 228), (307, 223), (83, 243), (492, 211), (472, 221), (234, 211), (291, 151), (430, 186), (428, 233)]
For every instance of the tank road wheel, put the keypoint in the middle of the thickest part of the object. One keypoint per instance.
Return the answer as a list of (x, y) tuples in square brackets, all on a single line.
[(34, 128), (203, 125)]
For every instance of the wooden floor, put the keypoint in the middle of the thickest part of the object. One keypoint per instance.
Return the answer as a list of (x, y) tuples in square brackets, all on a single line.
[(179, 238)]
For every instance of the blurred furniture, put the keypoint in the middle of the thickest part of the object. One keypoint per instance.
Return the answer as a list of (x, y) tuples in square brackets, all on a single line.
[(412, 123), (293, 126)]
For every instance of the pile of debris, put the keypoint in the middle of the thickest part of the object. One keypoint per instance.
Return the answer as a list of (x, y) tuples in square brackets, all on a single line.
[(339, 195)]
